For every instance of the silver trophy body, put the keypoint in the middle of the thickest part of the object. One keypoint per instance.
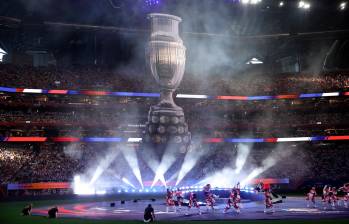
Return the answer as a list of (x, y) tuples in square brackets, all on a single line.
[(166, 55)]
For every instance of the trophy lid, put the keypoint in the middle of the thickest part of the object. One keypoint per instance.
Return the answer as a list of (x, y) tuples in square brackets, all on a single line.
[(164, 27), (165, 16)]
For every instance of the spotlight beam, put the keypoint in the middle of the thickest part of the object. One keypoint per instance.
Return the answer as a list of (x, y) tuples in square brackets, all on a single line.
[(243, 152), (131, 158), (149, 158), (190, 160), (167, 160), (104, 164)]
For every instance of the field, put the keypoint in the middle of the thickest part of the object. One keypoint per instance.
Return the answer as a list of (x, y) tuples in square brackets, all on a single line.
[(10, 214)]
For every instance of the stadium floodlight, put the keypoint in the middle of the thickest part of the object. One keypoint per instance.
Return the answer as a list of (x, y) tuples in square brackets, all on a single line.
[(251, 2), (254, 61), (342, 6), (304, 5), (2, 54)]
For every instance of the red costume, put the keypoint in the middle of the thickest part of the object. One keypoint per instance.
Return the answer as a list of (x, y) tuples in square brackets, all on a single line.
[(234, 200), (210, 201), (326, 195), (193, 202), (345, 189), (179, 197), (311, 196), (169, 198), (268, 200)]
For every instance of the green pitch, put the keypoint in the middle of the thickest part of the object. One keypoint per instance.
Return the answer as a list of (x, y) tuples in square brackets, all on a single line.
[(10, 214)]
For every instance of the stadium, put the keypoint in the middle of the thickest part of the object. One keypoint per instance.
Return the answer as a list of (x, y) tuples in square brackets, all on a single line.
[(174, 111)]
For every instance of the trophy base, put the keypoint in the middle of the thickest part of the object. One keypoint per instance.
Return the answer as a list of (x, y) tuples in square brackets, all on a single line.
[(166, 125)]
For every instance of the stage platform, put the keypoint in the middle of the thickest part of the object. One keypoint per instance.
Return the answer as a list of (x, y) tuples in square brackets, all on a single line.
[(292, 208)]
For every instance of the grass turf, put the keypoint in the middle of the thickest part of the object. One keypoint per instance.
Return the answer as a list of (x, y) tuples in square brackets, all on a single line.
[(10, 214)]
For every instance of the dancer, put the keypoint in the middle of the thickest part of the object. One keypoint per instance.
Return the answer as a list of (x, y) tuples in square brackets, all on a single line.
[(237, 188), (179, 198), (311, 197), (334, 197), (259, 187), (325, 196), (268, 202), (207, 190), (345, 189), (193, 202), (234, 200), (209, 197), (169, 200)]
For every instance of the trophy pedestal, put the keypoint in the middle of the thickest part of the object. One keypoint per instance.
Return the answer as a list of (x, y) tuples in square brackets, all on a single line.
[(166, 125)]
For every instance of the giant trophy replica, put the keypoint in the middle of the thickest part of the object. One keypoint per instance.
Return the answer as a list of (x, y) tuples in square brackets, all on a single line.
[(166, 55)]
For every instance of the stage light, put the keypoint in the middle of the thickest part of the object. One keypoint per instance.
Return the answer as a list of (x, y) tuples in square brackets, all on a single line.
[(101, 192), (343, 6), (81, 188), (281, 4)]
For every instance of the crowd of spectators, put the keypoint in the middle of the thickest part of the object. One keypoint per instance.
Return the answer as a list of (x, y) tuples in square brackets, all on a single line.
[(43, 115), (56, 162), (95, 78), (215, 124), (12, 159)]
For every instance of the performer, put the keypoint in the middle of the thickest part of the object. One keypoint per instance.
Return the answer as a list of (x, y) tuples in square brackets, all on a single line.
[(234, 200), (207, 190), (193, 202), (169, 200), (325, 196), (238, 194), (268, 202), (333, 197), (209, 198), (311, 197), (345, 189), (179, 198), (259, 187)]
